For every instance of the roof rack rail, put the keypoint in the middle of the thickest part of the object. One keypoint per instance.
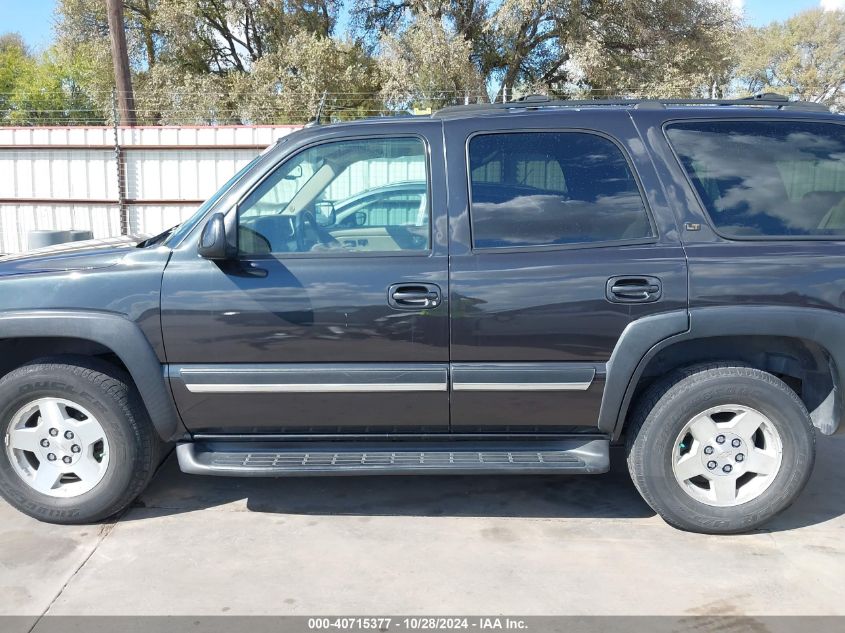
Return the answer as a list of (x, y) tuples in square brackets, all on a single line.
[(536, 102)]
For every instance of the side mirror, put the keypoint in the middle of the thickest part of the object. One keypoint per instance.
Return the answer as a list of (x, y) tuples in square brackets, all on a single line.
[(325, 214), (213, 243), (294, 174)]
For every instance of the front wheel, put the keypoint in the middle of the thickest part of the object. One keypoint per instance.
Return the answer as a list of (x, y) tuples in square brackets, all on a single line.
[(78, 446), (720, 448)]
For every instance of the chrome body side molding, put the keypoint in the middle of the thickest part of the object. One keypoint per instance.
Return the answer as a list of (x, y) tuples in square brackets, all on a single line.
[(309, 378), (522, 376), (384, 377), (373, 387)]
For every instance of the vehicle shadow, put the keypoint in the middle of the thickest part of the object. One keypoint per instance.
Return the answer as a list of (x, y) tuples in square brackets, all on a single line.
[(608, 496), (824, 497)]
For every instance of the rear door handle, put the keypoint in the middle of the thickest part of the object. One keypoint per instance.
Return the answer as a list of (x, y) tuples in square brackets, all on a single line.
[(411, 296), (633, 289)]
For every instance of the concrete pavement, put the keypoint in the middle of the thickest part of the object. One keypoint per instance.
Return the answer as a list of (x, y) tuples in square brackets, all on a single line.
[(414, 545)]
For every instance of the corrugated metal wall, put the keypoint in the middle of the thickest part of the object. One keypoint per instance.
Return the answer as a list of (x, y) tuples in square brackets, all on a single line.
[(67, 178)]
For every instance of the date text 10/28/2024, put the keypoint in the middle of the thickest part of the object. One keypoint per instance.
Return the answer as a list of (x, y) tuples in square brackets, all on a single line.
[(420, 623)]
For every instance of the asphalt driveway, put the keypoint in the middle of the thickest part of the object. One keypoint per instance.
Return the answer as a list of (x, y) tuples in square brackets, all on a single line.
[(414, 545)]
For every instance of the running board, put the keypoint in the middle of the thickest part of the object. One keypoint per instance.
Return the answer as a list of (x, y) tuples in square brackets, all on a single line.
[(233, 459)]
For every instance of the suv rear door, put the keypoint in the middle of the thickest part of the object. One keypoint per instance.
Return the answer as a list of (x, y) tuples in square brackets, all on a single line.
[(555, 249)]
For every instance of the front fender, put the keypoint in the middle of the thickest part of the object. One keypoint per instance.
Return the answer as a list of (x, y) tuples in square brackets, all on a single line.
[(121, 336)]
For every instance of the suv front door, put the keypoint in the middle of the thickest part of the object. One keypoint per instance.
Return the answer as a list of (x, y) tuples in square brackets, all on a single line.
[(320, 325), (555, 250)]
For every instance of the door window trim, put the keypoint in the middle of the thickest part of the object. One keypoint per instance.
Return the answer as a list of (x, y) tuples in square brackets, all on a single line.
[(703, 208), (558, 247), (341, 254)]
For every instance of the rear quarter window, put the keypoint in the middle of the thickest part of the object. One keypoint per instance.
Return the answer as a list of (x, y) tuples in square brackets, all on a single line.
[(766, 178)]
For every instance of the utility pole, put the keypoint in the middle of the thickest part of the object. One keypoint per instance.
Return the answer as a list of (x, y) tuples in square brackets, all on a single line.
[(120, 60)]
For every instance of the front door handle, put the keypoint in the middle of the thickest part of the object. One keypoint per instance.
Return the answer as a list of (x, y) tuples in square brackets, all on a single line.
[(633, 289), (413, 296)]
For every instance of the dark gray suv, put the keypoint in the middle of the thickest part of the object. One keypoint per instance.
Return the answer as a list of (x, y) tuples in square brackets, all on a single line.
[(507, 288)]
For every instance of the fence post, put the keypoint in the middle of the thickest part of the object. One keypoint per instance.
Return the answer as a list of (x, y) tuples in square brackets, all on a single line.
[(121, 170)]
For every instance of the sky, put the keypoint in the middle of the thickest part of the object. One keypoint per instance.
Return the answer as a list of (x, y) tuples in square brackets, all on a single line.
[(34, 19)]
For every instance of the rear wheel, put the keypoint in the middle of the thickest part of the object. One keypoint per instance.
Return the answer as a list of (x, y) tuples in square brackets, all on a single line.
[(720, 448), (78, 444)]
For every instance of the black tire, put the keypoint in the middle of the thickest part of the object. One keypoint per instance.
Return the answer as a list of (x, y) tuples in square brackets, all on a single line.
[(108, 393), (667, 406)]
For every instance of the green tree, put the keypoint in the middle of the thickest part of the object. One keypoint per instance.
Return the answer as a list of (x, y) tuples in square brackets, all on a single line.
[(656, 48), (288, 85), (40, 89), (15, 62), (224, 35), (285, 86), (191, 57), (606, 46), (426, 66), (802, 57), (198, 35)]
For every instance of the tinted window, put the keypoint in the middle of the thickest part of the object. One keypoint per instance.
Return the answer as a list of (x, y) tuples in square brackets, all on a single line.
[(358, 196), (545, 188), (766, 178)]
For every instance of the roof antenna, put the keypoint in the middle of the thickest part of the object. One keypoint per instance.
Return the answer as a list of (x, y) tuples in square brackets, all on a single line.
[(316, 120)]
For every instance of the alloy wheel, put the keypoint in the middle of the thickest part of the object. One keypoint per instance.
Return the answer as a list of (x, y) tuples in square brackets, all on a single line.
[(727, 455), (57, 447)]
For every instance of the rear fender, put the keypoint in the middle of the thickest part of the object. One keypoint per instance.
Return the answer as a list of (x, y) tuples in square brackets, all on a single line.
[(823, 327)]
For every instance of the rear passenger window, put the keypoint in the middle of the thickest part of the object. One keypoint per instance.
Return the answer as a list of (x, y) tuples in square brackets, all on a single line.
[(548, 188), (766, 178)]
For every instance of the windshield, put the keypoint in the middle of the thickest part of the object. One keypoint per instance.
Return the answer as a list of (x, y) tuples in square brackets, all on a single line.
[(175, 235)]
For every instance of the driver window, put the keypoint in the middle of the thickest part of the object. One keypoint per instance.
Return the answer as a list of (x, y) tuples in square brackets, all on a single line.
[(359, 196)]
